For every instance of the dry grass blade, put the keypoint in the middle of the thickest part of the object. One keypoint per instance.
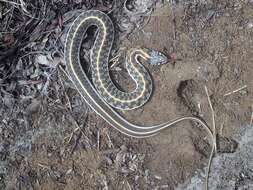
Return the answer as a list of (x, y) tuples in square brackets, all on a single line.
[(214, 147), (251, 120), (21, 4), (236, 90), (11, 2)]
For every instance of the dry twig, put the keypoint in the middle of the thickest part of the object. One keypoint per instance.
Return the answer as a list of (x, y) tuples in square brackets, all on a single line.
[(236, 90), (251, 120), (98, 140), (11, 2), (214, 147)]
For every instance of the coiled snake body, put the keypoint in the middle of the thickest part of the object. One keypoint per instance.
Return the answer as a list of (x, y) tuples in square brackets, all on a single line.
[(103, 96)]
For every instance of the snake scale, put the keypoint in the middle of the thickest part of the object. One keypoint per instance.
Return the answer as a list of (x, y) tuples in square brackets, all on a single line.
[(101, 93)]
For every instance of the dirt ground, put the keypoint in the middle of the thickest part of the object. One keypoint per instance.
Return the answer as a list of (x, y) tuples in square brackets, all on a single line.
[(49, 137)]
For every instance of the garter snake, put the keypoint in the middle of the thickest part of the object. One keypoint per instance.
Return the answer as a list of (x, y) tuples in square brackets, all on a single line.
[(101, 93)]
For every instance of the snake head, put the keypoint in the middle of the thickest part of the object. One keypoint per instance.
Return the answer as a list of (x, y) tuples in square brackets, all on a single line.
[(153, 57), (157, 58)]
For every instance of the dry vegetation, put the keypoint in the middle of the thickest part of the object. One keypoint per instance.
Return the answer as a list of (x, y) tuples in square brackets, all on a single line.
[(49, 137)]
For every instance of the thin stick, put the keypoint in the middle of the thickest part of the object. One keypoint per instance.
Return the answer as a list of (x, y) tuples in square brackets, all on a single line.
[(44, 166), (11, 2), (22, 4), (110, 141), (251, 120), (129, 186), (114, 60), (66, 95), (213, 116), (98, 140), (209, 166), (221, 129), (234, 91), (71, 136), (214, 147)]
